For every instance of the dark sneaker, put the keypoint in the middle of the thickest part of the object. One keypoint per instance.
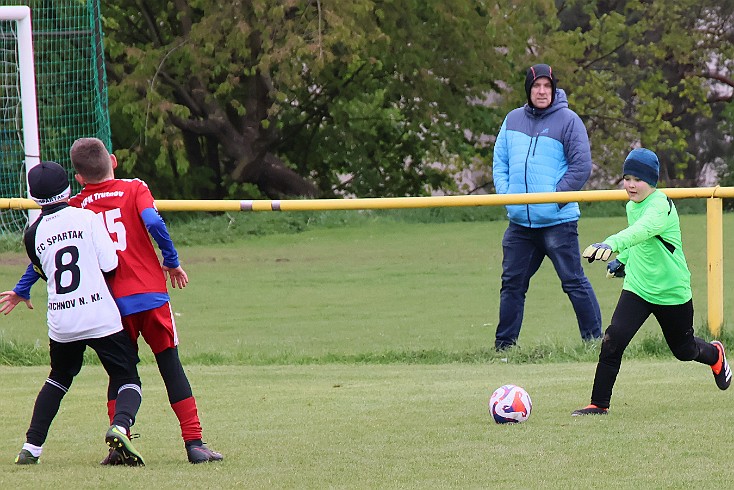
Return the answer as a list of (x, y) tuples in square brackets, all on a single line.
[(113, 458), (721, 370), (202, 454), (590, 410), (119, 441), (25, 457)]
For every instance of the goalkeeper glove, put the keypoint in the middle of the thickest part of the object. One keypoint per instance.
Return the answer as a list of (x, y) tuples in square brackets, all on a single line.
[(615, 268), (598, 251)]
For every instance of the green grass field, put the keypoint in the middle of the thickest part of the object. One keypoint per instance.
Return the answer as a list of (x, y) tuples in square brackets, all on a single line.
[(359, 356), (391, 426)]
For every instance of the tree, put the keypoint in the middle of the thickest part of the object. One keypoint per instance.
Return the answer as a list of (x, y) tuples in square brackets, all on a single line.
[(645, 77), (401, 97), (308, 98)]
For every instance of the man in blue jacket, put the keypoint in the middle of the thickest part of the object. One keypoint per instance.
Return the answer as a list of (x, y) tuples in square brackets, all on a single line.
[(542, 147)]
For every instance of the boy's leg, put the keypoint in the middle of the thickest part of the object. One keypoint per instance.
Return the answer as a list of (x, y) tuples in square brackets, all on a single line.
[(629, 315), (119, 358), (158, 328), (132, 332), (183, 404), (677, 324), (179, 393), (66, 362)]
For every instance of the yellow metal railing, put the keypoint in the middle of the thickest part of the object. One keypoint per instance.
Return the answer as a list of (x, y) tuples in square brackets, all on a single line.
[(714, 217)]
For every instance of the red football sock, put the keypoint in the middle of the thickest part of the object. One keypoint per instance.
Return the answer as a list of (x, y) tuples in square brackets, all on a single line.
[(111, 409), (188, 417)]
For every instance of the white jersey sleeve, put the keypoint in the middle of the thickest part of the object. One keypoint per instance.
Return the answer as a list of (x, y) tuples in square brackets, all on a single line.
[(73, 247)]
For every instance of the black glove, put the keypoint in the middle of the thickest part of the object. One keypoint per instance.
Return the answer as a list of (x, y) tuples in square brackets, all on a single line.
[(615, 268)]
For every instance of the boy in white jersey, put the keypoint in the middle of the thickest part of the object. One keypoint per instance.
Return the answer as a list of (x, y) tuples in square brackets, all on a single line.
[(71, 249)]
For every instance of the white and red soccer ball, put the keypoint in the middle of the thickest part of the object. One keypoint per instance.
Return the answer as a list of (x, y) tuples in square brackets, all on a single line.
[(510, 404)]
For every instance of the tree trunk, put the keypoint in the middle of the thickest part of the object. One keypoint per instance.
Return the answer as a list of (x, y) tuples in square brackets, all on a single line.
[(275, 179)]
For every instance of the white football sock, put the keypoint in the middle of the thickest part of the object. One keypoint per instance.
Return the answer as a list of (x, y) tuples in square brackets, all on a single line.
[(34, 450)]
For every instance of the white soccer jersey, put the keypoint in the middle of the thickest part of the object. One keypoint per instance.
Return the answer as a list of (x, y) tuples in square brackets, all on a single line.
[(73, 247)]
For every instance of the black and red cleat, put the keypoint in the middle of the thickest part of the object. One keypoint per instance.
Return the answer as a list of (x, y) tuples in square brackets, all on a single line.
[(200, 453), (721, 370), (590, 410)]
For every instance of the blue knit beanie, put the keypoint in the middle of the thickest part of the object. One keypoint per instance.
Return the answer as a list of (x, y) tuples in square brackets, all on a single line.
[(643, 164)]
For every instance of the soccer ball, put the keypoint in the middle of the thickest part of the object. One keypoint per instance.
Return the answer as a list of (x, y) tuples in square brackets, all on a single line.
[(510, 404)]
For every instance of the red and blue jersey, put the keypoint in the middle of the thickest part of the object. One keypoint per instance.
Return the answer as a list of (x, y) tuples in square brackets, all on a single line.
[(128, 210)]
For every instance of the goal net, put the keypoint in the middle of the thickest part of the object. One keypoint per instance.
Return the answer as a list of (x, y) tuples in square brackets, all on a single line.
[(70, 90)]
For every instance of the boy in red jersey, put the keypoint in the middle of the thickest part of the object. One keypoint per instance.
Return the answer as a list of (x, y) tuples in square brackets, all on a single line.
[(139, 285)]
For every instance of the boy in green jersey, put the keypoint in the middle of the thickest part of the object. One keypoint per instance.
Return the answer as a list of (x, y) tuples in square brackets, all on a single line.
[(656, 281)]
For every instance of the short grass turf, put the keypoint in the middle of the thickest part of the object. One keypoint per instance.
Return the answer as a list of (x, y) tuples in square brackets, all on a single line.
[(390, 426)]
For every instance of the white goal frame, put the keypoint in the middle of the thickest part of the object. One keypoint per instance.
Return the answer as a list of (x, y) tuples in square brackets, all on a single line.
[(26, 69)]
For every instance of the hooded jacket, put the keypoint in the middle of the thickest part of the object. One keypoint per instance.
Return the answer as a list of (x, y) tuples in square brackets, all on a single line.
[(542, 150)]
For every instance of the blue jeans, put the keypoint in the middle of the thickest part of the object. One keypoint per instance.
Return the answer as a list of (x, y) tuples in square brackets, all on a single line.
[(523, 251)]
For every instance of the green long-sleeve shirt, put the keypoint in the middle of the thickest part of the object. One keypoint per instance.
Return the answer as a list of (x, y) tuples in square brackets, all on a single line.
[(652, 271)]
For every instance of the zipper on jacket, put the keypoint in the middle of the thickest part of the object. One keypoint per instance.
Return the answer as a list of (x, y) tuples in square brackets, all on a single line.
[(531, 147)]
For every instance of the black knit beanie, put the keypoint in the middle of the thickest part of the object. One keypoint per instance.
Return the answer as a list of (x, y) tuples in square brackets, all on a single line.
[(538, 71), (48, 183)]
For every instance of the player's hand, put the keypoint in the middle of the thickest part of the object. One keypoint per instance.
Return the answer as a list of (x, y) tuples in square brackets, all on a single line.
[(178, 276), (9, 300), (615, 268), (597, 251)]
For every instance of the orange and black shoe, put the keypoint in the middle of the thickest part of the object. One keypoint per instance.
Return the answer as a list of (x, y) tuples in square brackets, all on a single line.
[(721, 370), (590, 410)]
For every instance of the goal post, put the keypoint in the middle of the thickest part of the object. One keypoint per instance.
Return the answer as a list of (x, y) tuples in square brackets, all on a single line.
[(25, 83), (53, 90)]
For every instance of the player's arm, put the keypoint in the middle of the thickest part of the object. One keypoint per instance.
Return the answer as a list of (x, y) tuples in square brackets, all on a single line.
[(651, 223), (158, 230), (10, 299), (21, 291)]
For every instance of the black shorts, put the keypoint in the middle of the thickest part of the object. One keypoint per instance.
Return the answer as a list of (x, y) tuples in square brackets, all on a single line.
[(116, 353)]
